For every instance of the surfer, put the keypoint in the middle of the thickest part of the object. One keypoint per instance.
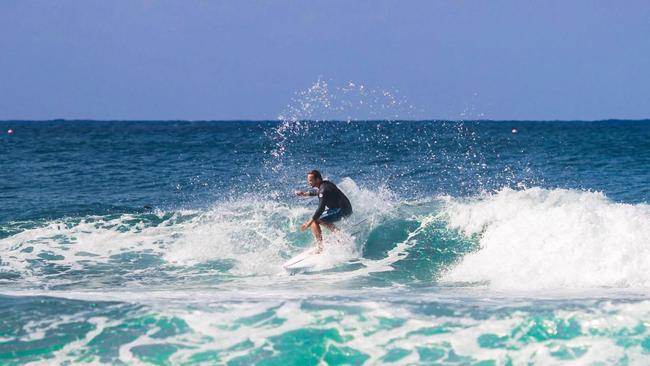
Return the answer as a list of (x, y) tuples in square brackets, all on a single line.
[(330, 196)]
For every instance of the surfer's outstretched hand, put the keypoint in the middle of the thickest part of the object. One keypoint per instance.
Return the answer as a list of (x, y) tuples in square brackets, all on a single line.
[(301, 193), (304, 226)]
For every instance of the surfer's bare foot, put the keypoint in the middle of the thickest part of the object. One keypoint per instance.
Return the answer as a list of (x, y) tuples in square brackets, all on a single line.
[(319, 248)]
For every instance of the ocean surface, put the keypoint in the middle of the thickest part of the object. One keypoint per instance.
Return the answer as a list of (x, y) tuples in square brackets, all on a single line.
[(162, 243)]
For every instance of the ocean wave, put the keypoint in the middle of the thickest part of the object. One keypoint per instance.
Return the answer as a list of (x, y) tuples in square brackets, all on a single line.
[(552, 238), (250, 235), (56, 330), (527, 239)]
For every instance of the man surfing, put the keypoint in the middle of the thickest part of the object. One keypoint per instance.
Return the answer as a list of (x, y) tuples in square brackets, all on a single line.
[(330, 196)]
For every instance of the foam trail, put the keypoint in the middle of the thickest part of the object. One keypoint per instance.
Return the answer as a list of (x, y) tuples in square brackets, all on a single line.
[(251, 236), (548, 239)]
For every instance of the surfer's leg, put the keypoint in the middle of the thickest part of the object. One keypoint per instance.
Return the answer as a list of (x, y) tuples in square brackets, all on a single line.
[(329, 225), (315, 230), (331, 216)]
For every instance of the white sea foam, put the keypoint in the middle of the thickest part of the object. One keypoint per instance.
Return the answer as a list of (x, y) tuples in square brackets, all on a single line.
[(545, 239), (374, 328), (258, 233), (255, 233)]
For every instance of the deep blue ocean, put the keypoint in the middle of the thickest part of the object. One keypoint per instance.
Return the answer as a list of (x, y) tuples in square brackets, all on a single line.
[(162, 242)]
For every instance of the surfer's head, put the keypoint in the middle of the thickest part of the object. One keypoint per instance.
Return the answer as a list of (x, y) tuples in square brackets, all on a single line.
[(314, 178)]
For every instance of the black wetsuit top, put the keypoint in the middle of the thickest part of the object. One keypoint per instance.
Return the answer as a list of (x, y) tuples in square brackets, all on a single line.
[(331, 196)]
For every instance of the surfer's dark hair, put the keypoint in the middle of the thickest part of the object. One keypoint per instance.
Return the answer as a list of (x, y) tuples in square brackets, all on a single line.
[(316, 174)]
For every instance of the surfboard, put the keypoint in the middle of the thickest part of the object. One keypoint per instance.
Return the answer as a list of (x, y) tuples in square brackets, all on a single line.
[(303, 261), (309, 260)]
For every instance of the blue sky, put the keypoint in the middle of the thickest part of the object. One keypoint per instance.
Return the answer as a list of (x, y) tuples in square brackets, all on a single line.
[(150, 59)]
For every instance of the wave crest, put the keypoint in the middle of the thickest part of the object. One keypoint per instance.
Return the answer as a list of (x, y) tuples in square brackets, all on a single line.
[(538, 239)]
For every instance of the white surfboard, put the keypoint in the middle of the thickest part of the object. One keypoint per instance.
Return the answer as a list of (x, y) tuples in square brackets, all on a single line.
[(329, 257), (304, 261)]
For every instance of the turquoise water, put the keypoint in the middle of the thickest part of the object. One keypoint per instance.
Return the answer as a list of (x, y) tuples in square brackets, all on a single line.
[(162, 243)]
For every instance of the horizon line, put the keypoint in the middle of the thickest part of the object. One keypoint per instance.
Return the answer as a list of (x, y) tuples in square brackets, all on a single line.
[(324, 120)]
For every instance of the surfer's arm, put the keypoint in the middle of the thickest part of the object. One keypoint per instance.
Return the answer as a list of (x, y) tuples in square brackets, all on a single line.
[(306, 194), (304, 226), (319, 210)]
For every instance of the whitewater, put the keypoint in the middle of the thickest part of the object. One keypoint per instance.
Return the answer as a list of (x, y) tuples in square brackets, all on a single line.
[(163, 242)]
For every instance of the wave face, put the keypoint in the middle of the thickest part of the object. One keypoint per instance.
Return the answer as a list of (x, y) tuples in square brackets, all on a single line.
[(162, 243), (538, 238)]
